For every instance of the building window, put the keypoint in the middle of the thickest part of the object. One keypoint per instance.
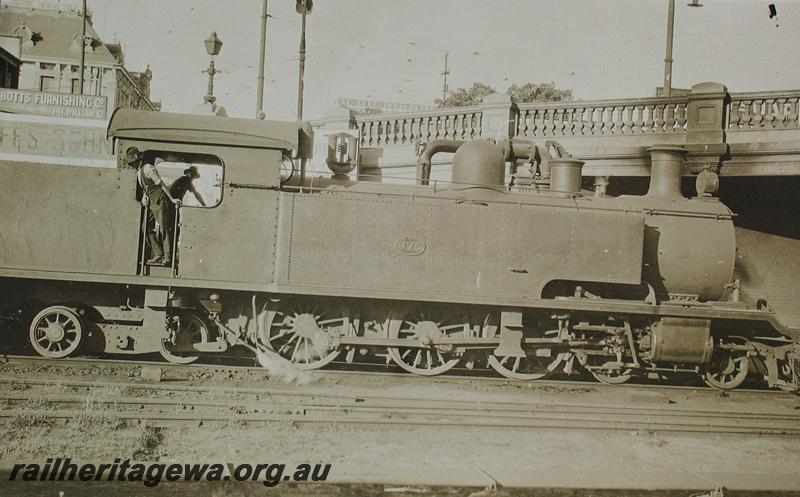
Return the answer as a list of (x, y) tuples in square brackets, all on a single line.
[(76, 86), (48, 83)]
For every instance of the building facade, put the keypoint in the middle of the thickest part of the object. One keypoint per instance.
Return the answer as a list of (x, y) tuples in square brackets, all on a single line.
[(49, 34)]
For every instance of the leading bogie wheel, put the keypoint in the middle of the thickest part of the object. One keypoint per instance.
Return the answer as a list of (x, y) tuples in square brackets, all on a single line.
[(56, 332), (726, 371)]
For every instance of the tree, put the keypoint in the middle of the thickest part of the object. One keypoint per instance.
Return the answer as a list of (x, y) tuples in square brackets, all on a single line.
[(529, 92), (462, 97), (538, 92)]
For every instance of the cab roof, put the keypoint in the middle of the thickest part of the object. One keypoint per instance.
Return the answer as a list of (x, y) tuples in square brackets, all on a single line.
[(207, 130)]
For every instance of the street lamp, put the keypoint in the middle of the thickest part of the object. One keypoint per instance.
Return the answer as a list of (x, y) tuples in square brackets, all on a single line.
[(668, 59), (303, 8), (213, 46)]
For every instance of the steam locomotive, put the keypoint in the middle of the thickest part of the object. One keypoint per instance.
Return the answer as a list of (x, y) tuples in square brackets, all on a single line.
[(530, 277)]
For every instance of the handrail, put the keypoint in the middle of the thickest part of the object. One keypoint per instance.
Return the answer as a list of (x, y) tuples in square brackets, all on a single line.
[(572, 104), (445, 111), (765, 94)]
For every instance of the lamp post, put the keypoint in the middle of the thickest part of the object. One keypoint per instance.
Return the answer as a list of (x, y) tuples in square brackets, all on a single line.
[(303, 8), (83, 43), (213, 46), (262, 55), (668, 58)]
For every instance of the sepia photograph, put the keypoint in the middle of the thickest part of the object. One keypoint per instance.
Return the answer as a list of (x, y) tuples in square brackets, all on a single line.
[(353, 248)]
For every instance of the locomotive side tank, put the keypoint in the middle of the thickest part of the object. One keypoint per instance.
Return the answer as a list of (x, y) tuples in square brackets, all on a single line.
[(529, 279)]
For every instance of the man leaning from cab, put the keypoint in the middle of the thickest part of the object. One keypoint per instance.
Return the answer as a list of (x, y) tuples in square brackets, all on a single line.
[(157, 199)]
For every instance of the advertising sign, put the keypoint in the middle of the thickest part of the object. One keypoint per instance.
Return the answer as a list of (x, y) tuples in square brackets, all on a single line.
[(53, 104)]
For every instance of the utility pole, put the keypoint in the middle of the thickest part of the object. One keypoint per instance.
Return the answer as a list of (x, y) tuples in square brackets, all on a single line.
[(261, 62), (83, 44), (445, 73), (302, 68), (303, 8), (668, 58)]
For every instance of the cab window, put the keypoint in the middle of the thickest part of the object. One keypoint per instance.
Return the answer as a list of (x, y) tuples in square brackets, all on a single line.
[(194, 179)]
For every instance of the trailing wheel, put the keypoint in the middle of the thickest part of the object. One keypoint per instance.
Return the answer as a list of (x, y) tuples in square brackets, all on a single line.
[(56, 332), (727, 370), (186, 329), (426, 358), (302, 332)]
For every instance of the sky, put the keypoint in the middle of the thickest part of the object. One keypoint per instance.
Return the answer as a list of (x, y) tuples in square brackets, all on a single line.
[(394, 50)]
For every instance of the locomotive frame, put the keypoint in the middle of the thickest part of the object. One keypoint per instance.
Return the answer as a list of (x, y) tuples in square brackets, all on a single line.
[(529, 280)]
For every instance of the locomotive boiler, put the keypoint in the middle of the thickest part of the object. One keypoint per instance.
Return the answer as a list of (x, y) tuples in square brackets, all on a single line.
[(529, 277)]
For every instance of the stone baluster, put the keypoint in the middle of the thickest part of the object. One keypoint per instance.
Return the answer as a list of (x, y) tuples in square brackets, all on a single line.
[(522, 124), (780, 113), (669, 118), (570, 128), (744, 113), (650, 122), (791, 119), (605, 120), (538, 122), (619, 121), (558, 122), (769, 113), (757, 114), (427, 132), (680, 117), (371, 141), (659, 121), (362, 134)]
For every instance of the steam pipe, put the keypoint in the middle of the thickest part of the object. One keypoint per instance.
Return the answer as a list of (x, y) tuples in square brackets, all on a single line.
[(512, 149), (431, 149)]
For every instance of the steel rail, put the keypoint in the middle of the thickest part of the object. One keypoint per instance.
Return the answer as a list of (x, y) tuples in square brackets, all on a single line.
[(419, 406), (447, 377), (605, 423), (363, 399)]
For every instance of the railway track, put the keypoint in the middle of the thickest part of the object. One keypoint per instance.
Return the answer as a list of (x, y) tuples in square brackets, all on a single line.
[(166, 404), (367, 369)]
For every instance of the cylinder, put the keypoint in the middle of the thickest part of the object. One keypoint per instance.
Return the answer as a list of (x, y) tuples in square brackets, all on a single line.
[(565, 175), (666, 162), (479, 162), (681, 340)]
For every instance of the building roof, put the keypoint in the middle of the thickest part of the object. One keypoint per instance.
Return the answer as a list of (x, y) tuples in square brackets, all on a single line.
[(54, 36), (8, 57)]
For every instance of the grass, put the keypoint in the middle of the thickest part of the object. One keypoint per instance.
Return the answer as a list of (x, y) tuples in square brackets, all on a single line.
[(33, 414), (145, 446)]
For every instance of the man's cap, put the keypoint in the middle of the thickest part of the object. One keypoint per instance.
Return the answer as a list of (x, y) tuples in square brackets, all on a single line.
[(132, 155)]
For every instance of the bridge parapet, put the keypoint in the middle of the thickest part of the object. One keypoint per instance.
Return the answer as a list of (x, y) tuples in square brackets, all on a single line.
[(736, 134)]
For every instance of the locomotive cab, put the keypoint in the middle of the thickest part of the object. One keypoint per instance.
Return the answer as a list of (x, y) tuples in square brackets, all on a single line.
[(238, 168)]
